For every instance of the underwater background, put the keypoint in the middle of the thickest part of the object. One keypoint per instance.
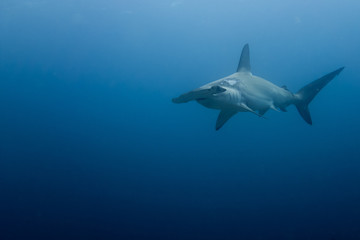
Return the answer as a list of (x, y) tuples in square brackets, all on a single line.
[(91, 146)]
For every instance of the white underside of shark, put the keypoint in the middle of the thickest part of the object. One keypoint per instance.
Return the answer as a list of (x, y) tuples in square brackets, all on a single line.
[(244, 92)]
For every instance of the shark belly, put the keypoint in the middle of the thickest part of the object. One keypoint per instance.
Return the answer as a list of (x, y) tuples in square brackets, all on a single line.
[(261, 95)]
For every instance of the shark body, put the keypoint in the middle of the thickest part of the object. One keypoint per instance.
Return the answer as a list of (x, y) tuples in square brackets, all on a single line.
[(244, 92)]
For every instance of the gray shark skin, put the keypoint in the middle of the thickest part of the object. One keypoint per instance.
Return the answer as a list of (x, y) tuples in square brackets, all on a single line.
[(244, 92)]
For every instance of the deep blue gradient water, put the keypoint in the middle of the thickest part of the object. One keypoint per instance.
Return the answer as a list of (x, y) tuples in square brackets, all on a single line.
[(91, 146)]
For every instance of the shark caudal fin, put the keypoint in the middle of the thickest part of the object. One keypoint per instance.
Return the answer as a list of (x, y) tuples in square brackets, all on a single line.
[(306, 94)]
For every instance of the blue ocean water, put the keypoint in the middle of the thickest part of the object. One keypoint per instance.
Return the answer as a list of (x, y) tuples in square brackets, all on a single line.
[(91, 146)]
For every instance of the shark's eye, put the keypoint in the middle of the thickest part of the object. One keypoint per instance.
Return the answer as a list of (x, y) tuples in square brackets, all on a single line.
[(217, 89)]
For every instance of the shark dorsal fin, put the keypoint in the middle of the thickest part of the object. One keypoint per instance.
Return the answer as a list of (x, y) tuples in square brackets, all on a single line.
[(285, 87), (244, 63)]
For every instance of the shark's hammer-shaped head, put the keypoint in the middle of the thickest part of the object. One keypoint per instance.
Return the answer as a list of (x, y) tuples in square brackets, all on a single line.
[(203, 93), (215, 97), (221, 95)]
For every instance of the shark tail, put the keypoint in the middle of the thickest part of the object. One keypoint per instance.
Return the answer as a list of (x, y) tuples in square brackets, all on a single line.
[(306, 94)]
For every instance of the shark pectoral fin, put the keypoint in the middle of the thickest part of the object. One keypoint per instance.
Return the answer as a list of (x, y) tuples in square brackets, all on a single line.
[(198, 93), (223, 117)]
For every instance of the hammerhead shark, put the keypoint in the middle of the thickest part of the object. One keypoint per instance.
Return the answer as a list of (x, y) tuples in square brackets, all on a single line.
[(244, 92)]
